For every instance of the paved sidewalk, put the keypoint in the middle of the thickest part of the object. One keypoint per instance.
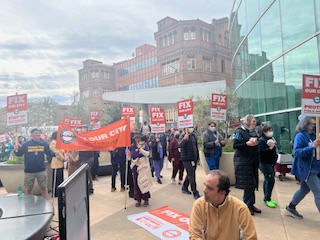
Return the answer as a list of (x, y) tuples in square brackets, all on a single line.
[(108, 216)]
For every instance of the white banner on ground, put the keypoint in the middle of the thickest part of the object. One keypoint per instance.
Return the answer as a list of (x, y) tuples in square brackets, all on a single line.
[(165, 223)]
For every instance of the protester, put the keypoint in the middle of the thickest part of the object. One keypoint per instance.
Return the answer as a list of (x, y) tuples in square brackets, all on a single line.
[(86, 157), (140, 167), (146, 131), (268, 157), (118, 161), (57, 164), (246, 160), (219, 215), (190, 158), (212, 146), (133, 129), (175, 158), (34, 161), (95, 166), (73, 161), (305, 165), (158, 154)]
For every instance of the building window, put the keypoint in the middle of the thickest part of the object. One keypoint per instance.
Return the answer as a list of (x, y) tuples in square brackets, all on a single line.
[(85, 94), (170, 67), (222, 66), (206, 64), (164, 41), (189, 34), (186, 33), (93, 74), (95, 92), (191, 63)]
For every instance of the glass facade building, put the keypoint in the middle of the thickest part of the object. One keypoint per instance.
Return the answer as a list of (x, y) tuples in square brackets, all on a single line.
[(274, 42)]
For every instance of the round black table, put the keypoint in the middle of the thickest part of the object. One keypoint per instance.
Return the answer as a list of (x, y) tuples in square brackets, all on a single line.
[(28, 217)]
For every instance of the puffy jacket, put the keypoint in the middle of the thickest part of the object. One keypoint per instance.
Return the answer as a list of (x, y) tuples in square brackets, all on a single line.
[(189, 149), (246, 160)]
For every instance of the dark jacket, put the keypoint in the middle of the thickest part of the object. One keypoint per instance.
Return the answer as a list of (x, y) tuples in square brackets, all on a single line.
[(189, 149), (208, 143), (118, 155), (266, 154), (246, 160), (34, 155), (154, 148)]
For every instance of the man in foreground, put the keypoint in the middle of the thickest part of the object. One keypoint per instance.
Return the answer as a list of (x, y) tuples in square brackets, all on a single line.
[(217, 215), (34, 165)]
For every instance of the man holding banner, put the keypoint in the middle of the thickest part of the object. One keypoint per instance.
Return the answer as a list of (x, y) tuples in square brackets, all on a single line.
[(107, 138), (87, 157)]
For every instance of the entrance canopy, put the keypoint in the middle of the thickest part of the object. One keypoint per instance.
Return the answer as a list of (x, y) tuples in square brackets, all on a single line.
[(171, 94)]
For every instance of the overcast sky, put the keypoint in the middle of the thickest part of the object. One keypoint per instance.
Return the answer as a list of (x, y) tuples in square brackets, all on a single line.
[(43, 43)]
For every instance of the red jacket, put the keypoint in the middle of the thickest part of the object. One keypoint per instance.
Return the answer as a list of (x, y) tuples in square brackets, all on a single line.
[(174, 150)]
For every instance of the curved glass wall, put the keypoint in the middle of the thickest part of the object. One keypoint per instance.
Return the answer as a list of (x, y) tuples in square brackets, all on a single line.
[(274, 42)]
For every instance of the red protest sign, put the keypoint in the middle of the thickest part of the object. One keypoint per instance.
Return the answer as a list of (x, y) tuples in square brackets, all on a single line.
[(185, 113), (219, 106), (17, 109), (310, 103), (157, 119)]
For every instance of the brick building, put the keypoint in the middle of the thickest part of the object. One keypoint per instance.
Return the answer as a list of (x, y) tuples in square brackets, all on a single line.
[(95, 78), (192, 51)]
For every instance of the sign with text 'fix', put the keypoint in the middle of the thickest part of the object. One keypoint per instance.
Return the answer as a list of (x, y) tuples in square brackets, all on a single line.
[(157, 119), (128, 112), (310, 103), (17, 109), (219, 106), (185, 113)]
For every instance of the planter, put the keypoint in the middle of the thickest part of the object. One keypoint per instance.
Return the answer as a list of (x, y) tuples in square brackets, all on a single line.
[(13, 174), (226, 164), (105, 167)]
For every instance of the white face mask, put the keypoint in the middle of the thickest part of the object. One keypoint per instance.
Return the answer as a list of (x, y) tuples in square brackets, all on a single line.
[(269, 134), (212, 129), (190, 130)]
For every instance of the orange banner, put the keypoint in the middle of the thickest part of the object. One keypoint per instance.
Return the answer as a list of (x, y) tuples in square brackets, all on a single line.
[(114, 135)]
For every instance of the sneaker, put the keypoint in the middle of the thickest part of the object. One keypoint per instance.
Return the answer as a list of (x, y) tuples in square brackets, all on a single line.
[(196, 196), (270, 204), (122, 189), (113, 189), (274, 202), (180, 182), (138, 204), (146, 203), (186, 191), (251, 211), (159, 181), (173, 180), (294, 213)]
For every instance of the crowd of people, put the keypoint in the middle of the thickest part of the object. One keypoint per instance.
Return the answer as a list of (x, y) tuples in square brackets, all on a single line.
[(255, 149)]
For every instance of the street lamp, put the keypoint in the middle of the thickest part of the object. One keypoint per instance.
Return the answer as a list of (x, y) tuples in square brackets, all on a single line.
[(175, 74)]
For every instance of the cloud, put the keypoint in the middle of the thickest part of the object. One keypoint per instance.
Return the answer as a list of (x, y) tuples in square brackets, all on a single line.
[(43, 43)]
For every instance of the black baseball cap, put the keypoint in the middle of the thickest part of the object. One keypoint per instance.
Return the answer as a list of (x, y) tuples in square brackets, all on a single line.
[(35, 129)]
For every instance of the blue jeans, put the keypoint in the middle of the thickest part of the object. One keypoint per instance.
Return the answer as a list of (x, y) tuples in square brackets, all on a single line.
[(313, 184), (213, 162), (268, 184), (158, 165), (249, 197)]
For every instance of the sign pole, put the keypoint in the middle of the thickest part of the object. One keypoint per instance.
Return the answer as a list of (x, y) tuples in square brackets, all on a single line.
[(317, 137)]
